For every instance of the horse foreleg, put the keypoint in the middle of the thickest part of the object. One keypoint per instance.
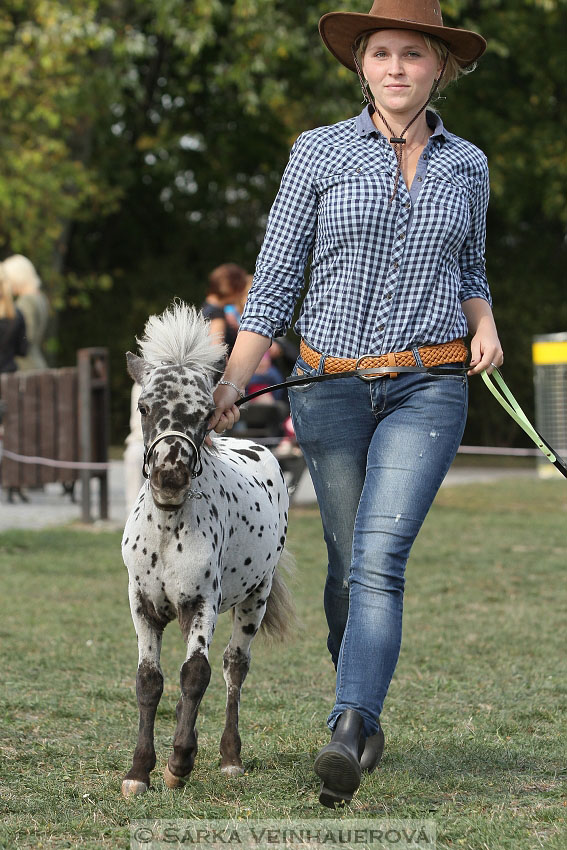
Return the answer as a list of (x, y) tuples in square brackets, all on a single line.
[(197, 628), (149, 688)]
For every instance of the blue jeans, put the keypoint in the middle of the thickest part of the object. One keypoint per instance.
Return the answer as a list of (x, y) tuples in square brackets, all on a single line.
[(377, 452)]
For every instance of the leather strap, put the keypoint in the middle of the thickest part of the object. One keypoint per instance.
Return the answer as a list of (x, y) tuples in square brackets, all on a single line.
[(363, 374)]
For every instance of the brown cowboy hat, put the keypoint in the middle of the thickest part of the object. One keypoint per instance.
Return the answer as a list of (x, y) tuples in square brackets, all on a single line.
[(339, 30)]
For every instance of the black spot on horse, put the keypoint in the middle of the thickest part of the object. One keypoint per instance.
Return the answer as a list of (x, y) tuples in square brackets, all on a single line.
[(247, 561), (247, 453)]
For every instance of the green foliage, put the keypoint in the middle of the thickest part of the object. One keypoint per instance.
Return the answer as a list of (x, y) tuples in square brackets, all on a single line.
[(142, 142)]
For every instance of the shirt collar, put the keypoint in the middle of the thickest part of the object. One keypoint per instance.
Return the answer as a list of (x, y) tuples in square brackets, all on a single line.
[(365, 124)]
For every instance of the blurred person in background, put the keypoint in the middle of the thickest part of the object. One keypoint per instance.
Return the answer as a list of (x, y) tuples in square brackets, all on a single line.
[(228, 286), (32, 303), (13, 341)]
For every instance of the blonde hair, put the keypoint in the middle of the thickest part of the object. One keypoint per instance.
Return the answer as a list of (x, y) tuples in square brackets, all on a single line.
[(453, 70), (7, 310), (21, 275)]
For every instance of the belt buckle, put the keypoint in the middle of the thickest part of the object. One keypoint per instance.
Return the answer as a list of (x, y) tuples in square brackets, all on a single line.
[(369, 377)]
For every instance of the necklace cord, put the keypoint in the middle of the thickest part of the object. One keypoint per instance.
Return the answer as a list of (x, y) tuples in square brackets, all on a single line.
[(397, 142)]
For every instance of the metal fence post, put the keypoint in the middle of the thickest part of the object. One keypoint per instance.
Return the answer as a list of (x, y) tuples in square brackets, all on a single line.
[(549, 354)]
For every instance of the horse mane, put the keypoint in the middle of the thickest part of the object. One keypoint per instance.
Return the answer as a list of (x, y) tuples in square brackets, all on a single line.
[(180, 336)]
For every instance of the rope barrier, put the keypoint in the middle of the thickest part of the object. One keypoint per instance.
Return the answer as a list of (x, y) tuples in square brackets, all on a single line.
[(56, 464)]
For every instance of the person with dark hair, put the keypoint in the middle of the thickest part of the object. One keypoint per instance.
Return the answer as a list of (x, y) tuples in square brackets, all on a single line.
[(391, 207), (226, 285)]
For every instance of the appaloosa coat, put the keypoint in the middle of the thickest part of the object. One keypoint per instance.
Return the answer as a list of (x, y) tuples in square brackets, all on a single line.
[(205, 535)]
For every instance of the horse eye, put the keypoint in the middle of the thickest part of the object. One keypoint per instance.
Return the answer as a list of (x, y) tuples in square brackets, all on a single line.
[(143, 409)]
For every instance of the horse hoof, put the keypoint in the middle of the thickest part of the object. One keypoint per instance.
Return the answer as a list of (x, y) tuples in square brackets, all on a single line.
[(133, 786), (232, 770), (173, 781)]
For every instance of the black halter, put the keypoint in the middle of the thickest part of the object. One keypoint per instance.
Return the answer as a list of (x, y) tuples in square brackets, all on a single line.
[(197, 465)]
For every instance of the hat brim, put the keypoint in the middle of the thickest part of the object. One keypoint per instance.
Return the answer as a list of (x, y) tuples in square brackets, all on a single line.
[(339, 31)]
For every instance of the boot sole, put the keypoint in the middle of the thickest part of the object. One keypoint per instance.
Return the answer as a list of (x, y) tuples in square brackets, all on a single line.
[(340, 775)]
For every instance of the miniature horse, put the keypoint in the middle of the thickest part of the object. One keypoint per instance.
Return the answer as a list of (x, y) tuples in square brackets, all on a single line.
[(206, 535)]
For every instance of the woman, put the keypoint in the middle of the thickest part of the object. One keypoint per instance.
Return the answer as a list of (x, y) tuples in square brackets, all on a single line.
[(13, 342), (227, 285), (32, 304), (392, 209)]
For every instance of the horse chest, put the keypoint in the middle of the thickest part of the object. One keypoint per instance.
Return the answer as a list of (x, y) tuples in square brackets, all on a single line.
[(211, 547)]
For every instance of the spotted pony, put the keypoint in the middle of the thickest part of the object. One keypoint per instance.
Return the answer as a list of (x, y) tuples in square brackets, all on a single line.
[(206, 535)]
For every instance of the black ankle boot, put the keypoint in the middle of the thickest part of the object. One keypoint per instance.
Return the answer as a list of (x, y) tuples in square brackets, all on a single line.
[(338, 764), (373, 749)]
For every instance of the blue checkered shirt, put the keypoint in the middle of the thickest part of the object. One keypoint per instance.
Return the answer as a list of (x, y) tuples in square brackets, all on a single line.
[(384, 276)]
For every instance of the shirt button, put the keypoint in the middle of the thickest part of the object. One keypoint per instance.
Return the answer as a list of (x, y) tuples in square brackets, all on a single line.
[(424, 156), (408, 206), (402, 236), (420, 179), (380, 328), (396, 265), (389, 296)]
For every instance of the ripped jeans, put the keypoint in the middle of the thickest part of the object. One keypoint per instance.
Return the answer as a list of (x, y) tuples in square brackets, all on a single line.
[(377, 452)]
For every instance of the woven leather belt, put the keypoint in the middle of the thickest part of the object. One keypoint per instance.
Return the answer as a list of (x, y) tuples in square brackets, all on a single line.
[(431, 355)]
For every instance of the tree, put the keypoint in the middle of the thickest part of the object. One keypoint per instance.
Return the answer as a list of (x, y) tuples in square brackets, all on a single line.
[(143, 142)]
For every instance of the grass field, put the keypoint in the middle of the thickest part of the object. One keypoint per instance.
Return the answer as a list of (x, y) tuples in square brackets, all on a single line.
[(474, 721)]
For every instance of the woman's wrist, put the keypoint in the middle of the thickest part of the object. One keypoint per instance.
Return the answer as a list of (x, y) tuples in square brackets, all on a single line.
[(226, 383)]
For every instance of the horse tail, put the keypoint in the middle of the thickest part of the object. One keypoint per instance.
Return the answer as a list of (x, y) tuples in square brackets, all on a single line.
[(280, 617)]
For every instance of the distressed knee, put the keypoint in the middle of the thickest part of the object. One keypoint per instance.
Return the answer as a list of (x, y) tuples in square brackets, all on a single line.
[(149, 684)]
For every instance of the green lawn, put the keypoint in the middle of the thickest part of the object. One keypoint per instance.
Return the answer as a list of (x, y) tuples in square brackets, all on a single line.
[(474, 722)]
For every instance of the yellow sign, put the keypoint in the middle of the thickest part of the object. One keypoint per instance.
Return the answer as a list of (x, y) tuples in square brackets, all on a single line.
[(545, 353)]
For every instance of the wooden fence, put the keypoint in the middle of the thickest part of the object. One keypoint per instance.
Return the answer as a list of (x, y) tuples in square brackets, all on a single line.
[(56, 427)]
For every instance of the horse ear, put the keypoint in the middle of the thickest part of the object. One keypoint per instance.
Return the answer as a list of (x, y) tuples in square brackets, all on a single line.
[(138, 368)]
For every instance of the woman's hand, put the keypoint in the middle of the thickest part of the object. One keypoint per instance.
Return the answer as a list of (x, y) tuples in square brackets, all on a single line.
[(248, 350), (486, 351), (226, 413)]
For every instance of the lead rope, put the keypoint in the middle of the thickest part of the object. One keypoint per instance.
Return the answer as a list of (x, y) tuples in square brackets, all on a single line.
[(397, 142)]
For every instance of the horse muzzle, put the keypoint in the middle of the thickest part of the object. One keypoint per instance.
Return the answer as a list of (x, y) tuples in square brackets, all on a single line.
[(170, 483)]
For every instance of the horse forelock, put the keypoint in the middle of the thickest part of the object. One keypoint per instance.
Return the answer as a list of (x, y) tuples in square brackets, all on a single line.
[(180, 337)]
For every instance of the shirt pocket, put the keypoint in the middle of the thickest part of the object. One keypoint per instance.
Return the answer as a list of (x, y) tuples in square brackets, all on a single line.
[(453, 194), (453, 200)]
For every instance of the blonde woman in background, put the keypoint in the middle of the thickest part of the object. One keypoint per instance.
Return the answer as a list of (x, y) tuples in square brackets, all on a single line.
[(13, 342), (32, 303)]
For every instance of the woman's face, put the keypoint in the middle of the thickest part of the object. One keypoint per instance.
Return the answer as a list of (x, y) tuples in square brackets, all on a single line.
[(400, 70)]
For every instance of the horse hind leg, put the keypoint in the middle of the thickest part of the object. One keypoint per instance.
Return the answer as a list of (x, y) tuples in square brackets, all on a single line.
[(235, 667), (197, 627), (149, 688), (236, 662)]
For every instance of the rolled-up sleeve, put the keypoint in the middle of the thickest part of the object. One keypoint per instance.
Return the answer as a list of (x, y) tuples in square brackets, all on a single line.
[(472, 260), (290, 233)]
